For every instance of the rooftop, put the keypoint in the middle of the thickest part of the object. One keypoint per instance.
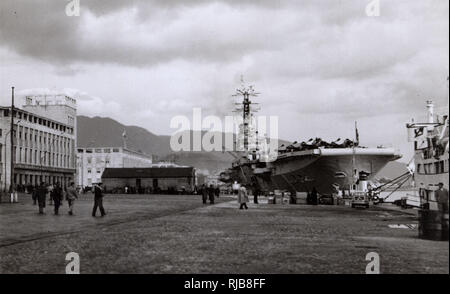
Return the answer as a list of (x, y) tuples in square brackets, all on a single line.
[(148, 172)]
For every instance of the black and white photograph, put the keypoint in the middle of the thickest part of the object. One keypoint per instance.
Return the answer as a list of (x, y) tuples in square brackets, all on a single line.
[(238, 139)]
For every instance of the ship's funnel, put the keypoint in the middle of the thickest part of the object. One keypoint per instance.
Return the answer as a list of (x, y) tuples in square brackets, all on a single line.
[(430, 108)]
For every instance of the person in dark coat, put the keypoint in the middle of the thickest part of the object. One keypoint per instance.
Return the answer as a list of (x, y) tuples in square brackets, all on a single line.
[(314, 196), (256, 193), (204, 192), (41, 195), (211, 193), (98, 200), (57, 196), (217, 192), (34, 194)]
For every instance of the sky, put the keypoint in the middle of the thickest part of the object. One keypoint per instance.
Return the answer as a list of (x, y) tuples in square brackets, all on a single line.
[(320, 65)]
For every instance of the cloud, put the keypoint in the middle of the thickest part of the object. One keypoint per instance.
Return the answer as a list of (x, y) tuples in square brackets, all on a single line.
[(319, 64)]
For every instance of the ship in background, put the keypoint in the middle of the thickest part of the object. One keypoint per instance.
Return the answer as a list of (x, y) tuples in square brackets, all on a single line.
[(431, 167), (299, 167)]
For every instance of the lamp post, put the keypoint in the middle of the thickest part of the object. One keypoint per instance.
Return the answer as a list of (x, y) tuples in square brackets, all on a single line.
[(12, 143), (4, 166)]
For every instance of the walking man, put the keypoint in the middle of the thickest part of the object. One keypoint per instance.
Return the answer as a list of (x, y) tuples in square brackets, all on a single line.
[(242, 197), (204, 191), (34, 194), (314, 196), (71, 196), (57, 196), (211, 192), (442, 198), (98, 200), (256, 192), (41, 195)]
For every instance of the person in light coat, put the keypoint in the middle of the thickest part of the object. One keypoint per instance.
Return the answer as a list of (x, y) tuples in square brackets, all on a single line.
[(242, 197), (71, 196)]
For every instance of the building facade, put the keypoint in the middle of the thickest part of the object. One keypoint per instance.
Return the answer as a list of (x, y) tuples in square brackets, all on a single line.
[(43, 148), (91, 162)]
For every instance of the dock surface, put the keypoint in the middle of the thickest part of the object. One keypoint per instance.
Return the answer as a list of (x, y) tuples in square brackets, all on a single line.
[(179, 234)]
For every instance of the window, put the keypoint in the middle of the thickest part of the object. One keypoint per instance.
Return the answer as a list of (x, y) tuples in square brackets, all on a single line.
[(116, 150), (89, 170), (107, 150), (98, 150)]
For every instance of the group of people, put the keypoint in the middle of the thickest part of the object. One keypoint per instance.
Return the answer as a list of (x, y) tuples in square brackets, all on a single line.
[(210, 192), (58, 193)]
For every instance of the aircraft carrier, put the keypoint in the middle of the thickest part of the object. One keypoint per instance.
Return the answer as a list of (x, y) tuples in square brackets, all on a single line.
[(300, 167)]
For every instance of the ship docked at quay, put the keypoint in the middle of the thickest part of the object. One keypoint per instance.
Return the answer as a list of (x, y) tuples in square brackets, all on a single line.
[(431, 168), (299, 167)]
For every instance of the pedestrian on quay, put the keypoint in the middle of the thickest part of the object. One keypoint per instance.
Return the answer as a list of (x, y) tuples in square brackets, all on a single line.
[(49, 192), (211, 192), (442, 198), (41, 197), (71, 195), (217, 191), (57, 195), (242, 197), (256, 193), (204, 192), (314, 196), (98, 200), (34, 194)]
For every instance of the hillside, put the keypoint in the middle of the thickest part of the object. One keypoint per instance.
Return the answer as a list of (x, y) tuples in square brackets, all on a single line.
[(103, 131)]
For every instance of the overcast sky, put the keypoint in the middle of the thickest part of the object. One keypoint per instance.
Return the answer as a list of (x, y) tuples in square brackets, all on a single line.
[(319, 65)]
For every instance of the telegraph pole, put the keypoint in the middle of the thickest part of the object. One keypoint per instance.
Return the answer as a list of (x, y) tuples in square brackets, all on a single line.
[(12, 141)]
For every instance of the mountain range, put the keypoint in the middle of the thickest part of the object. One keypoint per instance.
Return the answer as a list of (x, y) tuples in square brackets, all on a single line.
[(104, 131)]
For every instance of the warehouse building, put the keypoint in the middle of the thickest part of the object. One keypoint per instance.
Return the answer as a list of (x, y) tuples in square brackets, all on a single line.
[(91, 162), (149, 180)]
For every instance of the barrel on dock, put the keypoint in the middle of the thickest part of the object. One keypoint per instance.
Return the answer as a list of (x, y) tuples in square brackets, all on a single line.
[(433, 225)]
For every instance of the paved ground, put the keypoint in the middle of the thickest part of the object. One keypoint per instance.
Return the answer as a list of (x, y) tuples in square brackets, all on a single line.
[(177, 234)]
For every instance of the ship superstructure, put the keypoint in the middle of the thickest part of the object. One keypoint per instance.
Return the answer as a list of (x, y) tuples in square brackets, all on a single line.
[(431, 155)]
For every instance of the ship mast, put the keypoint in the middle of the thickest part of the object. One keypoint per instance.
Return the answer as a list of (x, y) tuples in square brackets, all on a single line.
[(247, 109)]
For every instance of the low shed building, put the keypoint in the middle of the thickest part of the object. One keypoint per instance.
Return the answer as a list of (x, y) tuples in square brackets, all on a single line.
[(149, 180)]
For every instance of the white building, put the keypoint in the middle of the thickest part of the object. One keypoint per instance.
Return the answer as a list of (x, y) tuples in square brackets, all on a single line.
[(44, 136), (91, 162)]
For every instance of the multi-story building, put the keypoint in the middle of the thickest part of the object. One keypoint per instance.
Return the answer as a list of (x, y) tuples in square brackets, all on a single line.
[(91, 162), (43, 148)]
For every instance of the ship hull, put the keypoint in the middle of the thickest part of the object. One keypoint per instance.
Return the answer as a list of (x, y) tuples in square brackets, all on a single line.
[(327, 170)]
